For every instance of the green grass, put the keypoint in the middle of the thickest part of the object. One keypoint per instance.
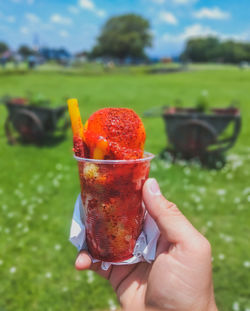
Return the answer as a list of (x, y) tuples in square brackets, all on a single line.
[(38, 187)]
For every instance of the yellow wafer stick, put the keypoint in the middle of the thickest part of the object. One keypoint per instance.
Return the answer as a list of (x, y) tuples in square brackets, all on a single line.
[(75, 117), (77, 127)]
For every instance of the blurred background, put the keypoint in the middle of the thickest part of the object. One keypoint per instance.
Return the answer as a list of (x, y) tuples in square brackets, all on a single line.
[(184, 67)]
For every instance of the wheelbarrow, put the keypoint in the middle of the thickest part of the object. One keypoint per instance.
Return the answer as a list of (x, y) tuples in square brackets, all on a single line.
[(32, 123), (196, 134)]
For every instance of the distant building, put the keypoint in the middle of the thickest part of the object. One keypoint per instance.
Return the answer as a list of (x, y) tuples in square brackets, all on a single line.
[(60, 55), (154, 60), (166, 60), (81, 57), (5, 57)]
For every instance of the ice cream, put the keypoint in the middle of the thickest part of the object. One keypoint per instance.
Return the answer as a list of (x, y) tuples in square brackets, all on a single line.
[(109, 133), (114, 133)]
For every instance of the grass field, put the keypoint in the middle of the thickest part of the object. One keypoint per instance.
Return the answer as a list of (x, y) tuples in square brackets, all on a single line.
[(38, 187)]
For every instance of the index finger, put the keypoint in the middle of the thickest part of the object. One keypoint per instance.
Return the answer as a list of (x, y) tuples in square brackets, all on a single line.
[(84, 262)]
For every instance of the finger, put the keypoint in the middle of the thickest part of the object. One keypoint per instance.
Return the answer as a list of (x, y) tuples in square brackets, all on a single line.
[(83, 261), (173, 225)]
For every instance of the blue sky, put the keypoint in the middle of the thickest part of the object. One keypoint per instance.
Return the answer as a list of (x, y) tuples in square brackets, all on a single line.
[(75, 24)]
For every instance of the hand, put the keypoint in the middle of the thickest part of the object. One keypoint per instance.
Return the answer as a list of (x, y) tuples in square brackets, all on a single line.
[(180, 278)]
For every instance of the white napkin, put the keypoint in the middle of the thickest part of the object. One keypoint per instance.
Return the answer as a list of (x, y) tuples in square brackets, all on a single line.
[(145, 247)]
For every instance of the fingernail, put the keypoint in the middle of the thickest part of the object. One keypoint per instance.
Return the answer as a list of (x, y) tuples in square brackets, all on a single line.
[(154, 187), (79, 260)]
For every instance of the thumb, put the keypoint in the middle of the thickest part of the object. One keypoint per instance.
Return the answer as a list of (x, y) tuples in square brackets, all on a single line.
[(169, 219)]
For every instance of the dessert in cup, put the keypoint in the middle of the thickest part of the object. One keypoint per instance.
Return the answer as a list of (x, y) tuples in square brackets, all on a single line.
[(113, 167)]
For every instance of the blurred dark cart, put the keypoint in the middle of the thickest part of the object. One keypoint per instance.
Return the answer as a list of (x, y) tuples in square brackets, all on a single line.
[(196, 134), (32, 123)]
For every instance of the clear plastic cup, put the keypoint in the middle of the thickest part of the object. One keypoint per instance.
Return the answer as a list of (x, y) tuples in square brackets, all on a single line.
[(111, 192)]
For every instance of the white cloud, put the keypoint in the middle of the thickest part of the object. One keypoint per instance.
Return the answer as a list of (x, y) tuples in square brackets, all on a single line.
[(211, 13), (59, 19), (10, 19), (32, 18), (73, 9), (90, 6), (168, 17), (196, 30), (184, 1), (24, 30), (100, 13), (244, 36), (63, 33), (87, 4), (30, 1), (172, 44)]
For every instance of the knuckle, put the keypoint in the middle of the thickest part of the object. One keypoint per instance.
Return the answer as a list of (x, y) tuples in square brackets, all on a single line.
[(168, 205), (173, 209), (165, 210)]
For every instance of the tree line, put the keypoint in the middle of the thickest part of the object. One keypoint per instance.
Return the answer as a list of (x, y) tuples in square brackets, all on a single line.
[(211, 49), (127, 36), (121, 37), (23, 50)]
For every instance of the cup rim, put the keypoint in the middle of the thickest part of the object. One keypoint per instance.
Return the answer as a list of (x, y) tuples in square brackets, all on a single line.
[(147, 157)]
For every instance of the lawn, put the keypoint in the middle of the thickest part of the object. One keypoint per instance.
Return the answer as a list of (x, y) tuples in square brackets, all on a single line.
[(38, 187)]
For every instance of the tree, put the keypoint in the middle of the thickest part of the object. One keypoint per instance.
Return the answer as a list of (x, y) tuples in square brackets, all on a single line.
[(25, 51), (233, 52), (122, 37), (201, 49), (211, 49), (3, 47), (247, 49)]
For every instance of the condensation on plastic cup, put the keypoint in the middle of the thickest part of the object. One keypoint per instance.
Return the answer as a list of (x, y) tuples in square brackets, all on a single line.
[(111, 192)]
